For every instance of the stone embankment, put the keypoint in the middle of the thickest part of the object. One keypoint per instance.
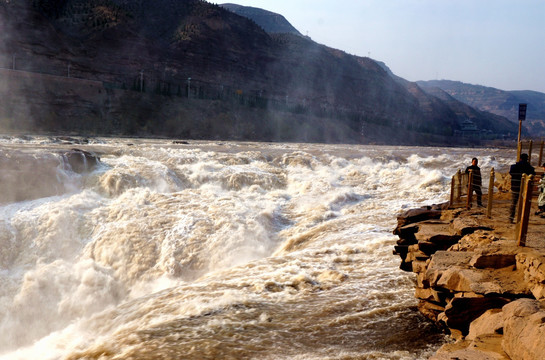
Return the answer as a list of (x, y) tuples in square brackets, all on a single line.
[(473, 279)]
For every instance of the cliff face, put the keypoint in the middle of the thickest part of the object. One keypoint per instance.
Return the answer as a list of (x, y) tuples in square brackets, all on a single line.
[(155, 58), (496, 101)]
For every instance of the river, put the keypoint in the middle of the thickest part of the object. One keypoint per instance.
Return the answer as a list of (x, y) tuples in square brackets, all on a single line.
[(214, 250)]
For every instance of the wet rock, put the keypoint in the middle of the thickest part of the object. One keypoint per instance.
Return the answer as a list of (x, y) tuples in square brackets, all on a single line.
[(80, 161), (406, 234), (402, 251), (70, 140), (430, 309), (26, 176), (431, 295)]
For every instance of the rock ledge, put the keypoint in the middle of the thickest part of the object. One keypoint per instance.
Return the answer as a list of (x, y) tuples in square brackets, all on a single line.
[(473, 280)]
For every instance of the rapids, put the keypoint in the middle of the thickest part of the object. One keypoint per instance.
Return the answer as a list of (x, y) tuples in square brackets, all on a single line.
[(214, 250)]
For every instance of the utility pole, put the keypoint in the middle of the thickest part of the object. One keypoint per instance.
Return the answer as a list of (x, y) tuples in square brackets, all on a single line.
[(522, 117)]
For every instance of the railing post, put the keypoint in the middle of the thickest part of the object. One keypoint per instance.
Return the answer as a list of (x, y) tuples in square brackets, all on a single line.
[(469, 189), (519, 150), (522, 228), (459, 185), (540, 154), (530, 151), (452, 181), (490, 194), (519, 202)]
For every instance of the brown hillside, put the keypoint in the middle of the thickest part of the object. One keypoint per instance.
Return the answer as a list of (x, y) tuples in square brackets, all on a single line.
[(191, 49)]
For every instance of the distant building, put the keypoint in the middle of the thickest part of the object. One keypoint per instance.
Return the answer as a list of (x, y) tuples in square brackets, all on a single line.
[(468, 129)]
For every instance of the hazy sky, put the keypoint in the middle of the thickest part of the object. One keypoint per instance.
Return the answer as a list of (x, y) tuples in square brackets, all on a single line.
[(497, 43)]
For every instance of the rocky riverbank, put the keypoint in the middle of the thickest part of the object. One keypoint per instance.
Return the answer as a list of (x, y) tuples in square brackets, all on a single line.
[(473, 279)]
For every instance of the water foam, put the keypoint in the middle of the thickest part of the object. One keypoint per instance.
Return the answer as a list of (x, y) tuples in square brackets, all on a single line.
[(181, 248)]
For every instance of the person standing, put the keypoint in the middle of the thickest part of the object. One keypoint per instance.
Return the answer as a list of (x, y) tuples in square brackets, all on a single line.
[(516, 171), (477, 181), (541, 197)]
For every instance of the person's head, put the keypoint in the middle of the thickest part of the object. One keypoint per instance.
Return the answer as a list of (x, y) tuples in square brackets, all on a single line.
[(543, 166), (524, 157), (474, 161)]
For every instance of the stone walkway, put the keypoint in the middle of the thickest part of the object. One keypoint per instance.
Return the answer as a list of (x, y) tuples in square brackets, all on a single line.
[(499, 220)]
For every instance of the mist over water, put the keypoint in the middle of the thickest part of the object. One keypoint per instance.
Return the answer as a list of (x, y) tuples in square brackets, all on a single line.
[(214, 250)]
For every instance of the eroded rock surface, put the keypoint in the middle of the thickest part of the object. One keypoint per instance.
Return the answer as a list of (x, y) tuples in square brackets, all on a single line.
[(484, 289)]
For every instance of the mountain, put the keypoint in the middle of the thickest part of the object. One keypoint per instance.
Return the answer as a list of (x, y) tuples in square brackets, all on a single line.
[(430, 97), (500, 102), (187, 68), (270, 22)]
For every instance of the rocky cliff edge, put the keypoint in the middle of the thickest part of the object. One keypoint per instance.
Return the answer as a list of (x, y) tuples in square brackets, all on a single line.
[(473, 279)]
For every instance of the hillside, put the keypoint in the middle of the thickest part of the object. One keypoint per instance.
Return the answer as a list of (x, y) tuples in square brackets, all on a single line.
[(500, 102), (192, 69), (272, 23), (431, 97)]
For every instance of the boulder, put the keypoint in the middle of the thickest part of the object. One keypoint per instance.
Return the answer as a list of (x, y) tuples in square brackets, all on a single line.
[(465, 287), (417, 215), (28, 175), (502, 182), (458, 279), (478, 240), (430, 309), (495, 261), (524, 329), (533, 265), (441, 261), (491, 322), (461, 311), (466, 225), (80, 161), (406, 234), (436, 232), (487, 347)]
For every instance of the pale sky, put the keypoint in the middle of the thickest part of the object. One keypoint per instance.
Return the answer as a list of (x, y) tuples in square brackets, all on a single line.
[(496, 43)]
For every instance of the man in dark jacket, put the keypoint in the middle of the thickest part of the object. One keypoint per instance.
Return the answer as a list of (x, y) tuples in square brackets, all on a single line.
[(477, 182), (516, 171)]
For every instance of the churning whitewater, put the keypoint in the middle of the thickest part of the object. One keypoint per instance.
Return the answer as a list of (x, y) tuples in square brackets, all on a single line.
[(208, 250)]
